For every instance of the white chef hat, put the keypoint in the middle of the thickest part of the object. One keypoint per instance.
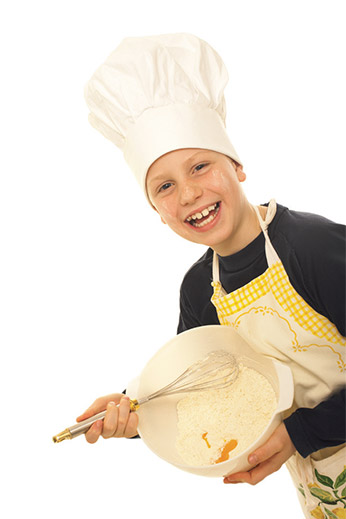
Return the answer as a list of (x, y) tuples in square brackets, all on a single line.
[(157, 94)]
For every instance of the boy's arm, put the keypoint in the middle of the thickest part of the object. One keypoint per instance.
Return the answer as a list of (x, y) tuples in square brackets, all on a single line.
[(327, 269), (187, 317), (196, 309), (323, 426)]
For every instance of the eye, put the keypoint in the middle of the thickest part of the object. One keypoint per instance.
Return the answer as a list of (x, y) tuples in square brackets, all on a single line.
[(164, 187), (200, 166)]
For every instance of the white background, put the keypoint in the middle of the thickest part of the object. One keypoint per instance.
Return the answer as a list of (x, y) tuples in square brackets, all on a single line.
[(90, 277)]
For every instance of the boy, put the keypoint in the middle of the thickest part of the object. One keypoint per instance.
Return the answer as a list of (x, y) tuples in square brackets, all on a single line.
[(277, 275)]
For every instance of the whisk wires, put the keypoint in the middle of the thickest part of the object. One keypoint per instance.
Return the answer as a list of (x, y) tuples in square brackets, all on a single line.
[(217, 370)]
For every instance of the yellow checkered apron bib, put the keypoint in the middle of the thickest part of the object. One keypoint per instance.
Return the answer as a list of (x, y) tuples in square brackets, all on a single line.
[(276, 321)]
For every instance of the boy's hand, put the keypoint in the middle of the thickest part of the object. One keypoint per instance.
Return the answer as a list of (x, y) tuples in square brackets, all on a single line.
[(119, 420), (266, 459)]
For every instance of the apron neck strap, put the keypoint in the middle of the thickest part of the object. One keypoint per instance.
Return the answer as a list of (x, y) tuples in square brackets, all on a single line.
[(216, 269), (271, 253), (271, 212)]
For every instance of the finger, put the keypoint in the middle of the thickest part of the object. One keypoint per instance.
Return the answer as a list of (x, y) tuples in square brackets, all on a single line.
[(255, 475), (272, 446), (123, 416), (255, 458), (264, 453), (110, 421), (263, 470), (99, 405), (132, 424), (238, 477), (93, 434)]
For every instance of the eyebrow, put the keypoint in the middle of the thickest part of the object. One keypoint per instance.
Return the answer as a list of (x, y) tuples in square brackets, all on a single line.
[(193, 157), (187, 162)]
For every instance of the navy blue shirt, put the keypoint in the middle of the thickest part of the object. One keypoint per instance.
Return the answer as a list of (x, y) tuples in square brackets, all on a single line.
[(312, 250)]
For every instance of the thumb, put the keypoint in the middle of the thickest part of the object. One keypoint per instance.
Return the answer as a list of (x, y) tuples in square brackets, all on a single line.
[(263, 453), (273, 445)]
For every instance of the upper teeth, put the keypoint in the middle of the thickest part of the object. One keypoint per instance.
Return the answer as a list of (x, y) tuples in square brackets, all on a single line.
[(205, 212)]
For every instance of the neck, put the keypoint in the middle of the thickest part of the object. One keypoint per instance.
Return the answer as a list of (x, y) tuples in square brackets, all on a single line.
[(247, 231)]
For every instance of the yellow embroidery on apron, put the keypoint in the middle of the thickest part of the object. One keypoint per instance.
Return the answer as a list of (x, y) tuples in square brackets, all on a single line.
[(341, 364), (265, 311), (275, 279)]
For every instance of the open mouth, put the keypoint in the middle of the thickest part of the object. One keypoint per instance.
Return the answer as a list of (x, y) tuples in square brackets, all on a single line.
[(204, 217)]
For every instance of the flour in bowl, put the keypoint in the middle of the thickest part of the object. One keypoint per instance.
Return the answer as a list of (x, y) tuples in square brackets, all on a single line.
[(218, 424)]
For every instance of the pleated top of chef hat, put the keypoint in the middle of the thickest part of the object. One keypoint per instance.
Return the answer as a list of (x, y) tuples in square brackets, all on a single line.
[(157, 94)]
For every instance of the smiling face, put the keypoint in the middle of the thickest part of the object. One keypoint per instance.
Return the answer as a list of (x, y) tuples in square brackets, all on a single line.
[(198, 195)]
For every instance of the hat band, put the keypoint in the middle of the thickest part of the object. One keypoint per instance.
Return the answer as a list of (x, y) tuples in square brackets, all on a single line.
[(160, 130)]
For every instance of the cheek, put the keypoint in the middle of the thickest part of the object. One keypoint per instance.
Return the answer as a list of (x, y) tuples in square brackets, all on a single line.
[(220, 181), (166, 210), (215, 175)]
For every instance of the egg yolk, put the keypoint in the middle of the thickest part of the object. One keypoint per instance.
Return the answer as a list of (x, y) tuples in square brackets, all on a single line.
[(204, 436), (226, 450)]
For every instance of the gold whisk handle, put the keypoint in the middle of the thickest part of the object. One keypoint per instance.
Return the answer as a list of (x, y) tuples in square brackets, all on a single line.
[(82, 427), (134, 404)]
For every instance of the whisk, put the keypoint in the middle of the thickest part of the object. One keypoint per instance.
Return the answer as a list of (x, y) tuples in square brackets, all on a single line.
[(217, 370)]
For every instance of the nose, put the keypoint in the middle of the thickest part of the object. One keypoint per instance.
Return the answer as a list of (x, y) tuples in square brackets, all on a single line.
[(190, 191)]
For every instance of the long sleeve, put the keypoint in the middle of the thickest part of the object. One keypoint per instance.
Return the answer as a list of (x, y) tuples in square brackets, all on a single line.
[(323, 426)]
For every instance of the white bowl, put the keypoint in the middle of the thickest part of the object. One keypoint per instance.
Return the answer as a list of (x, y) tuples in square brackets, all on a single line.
[(158, 418)]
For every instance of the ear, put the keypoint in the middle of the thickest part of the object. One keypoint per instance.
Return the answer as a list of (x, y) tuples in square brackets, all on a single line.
[(240, 173), (162, 220)]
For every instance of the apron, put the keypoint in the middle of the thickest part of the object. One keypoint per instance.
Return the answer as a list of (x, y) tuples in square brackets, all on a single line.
[(276, 321)]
